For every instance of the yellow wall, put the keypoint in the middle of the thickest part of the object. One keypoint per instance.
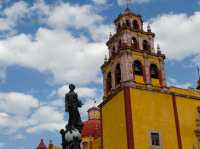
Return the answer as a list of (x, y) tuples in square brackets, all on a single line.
[(139, 79), (189, 92), (155, 82), (86, 141), (114, 126), (96, 143), (152, 111), (187, 109)]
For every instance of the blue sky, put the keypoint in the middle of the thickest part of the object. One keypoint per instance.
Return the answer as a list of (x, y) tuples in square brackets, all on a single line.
[(44, 45)]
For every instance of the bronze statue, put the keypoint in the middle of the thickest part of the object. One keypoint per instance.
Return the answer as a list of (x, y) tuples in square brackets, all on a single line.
[(72, 103), (71, 137)]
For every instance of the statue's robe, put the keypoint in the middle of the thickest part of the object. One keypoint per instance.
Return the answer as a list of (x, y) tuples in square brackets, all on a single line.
[(71, 106)]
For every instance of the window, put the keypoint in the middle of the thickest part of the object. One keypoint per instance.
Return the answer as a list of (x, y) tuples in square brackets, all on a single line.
[(109, 82), (155, 139), (154, 71), (117, 75), (113, 51), (137, 67), (120, 44), (146, 46), (134, 43), (135, 25), (127, 23), (119, 26)]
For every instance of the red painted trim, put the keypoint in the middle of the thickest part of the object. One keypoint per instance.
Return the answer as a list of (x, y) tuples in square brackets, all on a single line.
[(101, 121), (177, 122), (90, 144), (129, 122), (133, 71)]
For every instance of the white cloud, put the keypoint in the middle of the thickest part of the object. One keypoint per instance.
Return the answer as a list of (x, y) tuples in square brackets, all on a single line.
[(88, 104), (20, 111), (122, 2), (174, 82), (16, 11), (58, 52), (46, 118), (67, 58), (99, 2), (83, 18), (12, 15), (17, 103), (83, 92), (178, 34)]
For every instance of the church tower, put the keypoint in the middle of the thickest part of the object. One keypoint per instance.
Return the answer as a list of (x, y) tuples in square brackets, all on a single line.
[(139, 110), (133, 59)]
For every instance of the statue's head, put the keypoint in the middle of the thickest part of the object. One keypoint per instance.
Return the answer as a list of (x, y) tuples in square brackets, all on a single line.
[(72, 87)]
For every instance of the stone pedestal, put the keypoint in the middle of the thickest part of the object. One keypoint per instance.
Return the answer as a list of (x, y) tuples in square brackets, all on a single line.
[(71, 138)]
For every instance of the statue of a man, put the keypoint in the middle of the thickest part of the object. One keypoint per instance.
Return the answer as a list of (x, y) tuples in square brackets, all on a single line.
[(72, 103)]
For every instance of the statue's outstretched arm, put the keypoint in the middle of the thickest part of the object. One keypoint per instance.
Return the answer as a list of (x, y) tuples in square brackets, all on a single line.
[(79, 101)]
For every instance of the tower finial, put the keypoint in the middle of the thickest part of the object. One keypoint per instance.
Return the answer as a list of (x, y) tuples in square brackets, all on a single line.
[(127, 4)]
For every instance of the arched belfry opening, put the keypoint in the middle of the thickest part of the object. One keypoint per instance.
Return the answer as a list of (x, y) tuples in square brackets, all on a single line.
[(154, 72), (128, 23), (109, 82), (137, 68), (117, 75), (146, 45), (134, 43), (136, 25)]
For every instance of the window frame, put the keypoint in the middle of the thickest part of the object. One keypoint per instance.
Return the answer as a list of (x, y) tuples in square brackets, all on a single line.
[(118, 82), (151, 141), (109, 75)]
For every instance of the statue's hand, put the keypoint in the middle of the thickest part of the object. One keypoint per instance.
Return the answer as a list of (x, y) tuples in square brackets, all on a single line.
[(80, 103), (66, 109)]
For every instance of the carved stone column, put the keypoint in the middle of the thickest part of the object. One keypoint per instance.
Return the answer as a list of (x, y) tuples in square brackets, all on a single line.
[(126, 66), (162, 70)]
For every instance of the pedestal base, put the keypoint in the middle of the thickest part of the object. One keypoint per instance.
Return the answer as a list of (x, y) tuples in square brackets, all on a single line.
[(71, 139)]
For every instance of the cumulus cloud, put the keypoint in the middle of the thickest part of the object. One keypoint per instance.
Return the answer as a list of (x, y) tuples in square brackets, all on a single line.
[(83, 92), (174, 82), (67, 58), (122, 2), (17, 103), (54, 49), (178, 34), (21, 111), (12, 15), (43, 119), (84, 18), (99, 1)]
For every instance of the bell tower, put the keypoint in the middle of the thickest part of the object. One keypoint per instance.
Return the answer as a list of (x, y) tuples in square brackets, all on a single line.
[(132, 59)]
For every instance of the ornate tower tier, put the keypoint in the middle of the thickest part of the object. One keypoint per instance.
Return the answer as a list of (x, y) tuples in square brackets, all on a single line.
[(133, 59)]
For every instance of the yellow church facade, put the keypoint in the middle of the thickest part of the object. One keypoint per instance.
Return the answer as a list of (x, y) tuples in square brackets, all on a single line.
[(139, 110)]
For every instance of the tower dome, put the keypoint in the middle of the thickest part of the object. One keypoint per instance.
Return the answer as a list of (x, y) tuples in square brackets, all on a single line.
[(92, 126)]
